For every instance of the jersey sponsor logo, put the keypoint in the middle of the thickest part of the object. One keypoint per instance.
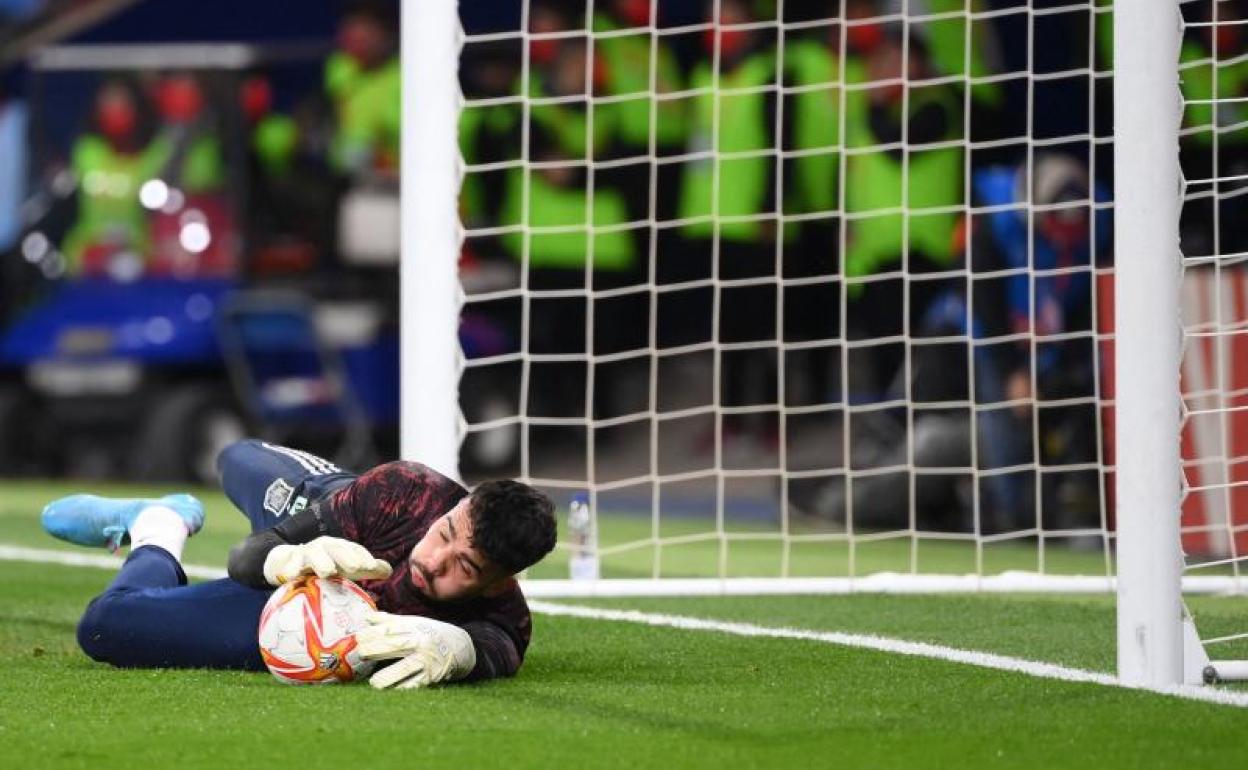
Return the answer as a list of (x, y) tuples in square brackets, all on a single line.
[(277, 497), (298, 505)]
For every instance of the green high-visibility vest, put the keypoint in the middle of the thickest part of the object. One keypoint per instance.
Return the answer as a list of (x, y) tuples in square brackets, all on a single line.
[(1196, 73), (569, 124), (369, 107), (109, 210), (274, 141), (628, 63), (498, 120), (552, 205), (742, 127), (555, 206), (947, 43), (816, 122), (1105, 35), (203, 168), (874, 183)]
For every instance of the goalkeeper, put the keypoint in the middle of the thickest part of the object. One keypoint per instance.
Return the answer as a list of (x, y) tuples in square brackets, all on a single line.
[(439, 562)]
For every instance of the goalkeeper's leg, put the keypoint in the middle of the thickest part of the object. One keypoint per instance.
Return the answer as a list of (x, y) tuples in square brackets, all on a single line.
[(148, 617), (267, 482)]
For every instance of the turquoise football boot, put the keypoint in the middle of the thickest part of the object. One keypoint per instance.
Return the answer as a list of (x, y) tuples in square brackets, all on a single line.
[(92, 520)]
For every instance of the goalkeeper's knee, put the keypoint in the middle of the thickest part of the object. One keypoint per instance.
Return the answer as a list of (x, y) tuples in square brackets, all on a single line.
[(98, 630)]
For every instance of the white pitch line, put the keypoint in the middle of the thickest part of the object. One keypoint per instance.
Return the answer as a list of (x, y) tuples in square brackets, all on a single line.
[(72, 559), (895, 646), (861, 641)]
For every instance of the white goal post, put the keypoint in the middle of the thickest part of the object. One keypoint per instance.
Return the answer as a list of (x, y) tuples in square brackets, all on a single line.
[(1147, 112), (715, 492), (429, 366)]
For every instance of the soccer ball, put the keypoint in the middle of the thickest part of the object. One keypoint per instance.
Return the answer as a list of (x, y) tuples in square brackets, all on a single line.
[(307, 631)]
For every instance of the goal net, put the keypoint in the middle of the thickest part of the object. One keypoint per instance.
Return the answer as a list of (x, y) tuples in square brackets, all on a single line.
[(811, 296), (1213, 152)]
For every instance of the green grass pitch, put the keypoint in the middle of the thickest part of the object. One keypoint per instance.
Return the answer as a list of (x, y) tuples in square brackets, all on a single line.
[(602, 694)]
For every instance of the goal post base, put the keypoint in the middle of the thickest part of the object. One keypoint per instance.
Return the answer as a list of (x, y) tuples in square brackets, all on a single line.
[(1196, 668), (1220, 671)]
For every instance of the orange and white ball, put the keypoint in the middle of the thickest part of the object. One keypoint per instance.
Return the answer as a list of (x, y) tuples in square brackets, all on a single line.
[(307, 631)]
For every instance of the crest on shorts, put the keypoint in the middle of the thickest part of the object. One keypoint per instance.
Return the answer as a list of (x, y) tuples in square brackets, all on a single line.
[(277, 496)]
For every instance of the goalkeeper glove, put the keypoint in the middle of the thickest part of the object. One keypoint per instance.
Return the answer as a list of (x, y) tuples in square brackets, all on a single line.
[(431, 651), (324, 557)]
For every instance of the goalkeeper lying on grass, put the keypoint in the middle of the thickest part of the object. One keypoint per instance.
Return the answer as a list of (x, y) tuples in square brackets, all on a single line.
[(441, 560)]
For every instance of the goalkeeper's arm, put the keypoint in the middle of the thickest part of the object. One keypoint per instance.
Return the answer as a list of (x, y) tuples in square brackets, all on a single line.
[(497, 653), (246, 563)]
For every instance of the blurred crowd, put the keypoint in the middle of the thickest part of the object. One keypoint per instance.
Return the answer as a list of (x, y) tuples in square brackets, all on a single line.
[(811, 187), (895, 199), (831, 186)]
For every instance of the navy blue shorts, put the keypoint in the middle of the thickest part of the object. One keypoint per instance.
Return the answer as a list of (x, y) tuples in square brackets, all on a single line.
[(149, 617)]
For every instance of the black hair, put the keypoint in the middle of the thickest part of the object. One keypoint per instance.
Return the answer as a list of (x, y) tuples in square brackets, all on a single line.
[(513, 524)]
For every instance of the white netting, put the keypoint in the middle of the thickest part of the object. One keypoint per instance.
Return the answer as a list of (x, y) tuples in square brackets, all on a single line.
[(796, 289)]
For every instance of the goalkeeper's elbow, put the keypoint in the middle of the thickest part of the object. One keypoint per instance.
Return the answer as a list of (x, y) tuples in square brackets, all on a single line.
[(246, 563), (496, 653)]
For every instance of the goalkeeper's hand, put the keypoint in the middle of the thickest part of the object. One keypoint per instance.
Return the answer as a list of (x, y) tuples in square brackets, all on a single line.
[(323, 557), (431, 651)]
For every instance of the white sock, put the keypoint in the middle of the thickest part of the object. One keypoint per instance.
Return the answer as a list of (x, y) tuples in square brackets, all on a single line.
[(158, 525)]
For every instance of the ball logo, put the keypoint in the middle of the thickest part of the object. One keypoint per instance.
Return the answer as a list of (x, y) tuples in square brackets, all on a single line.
[(329, 661)]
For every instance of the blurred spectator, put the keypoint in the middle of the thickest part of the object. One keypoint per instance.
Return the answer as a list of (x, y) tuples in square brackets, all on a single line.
[(727, 203), (488, 133), (951, 48), (723, 127), (292, 195), (363, 80), (897, 162), (626, 66), (274, 136), (1048, 228), (575, 223), (898, 158), (193, 228), (112, 160), (623, 67), (813, 67), (556, 188), (196, 161), (1047, 293), (815, 72)]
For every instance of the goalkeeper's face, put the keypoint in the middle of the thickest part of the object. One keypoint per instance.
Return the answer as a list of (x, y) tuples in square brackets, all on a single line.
[(445, 566)]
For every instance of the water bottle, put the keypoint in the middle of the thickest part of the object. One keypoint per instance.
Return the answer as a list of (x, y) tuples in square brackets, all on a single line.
[(583, 539)]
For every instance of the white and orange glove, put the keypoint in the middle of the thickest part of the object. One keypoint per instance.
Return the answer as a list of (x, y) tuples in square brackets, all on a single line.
[(429, 651), (324, 557)]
